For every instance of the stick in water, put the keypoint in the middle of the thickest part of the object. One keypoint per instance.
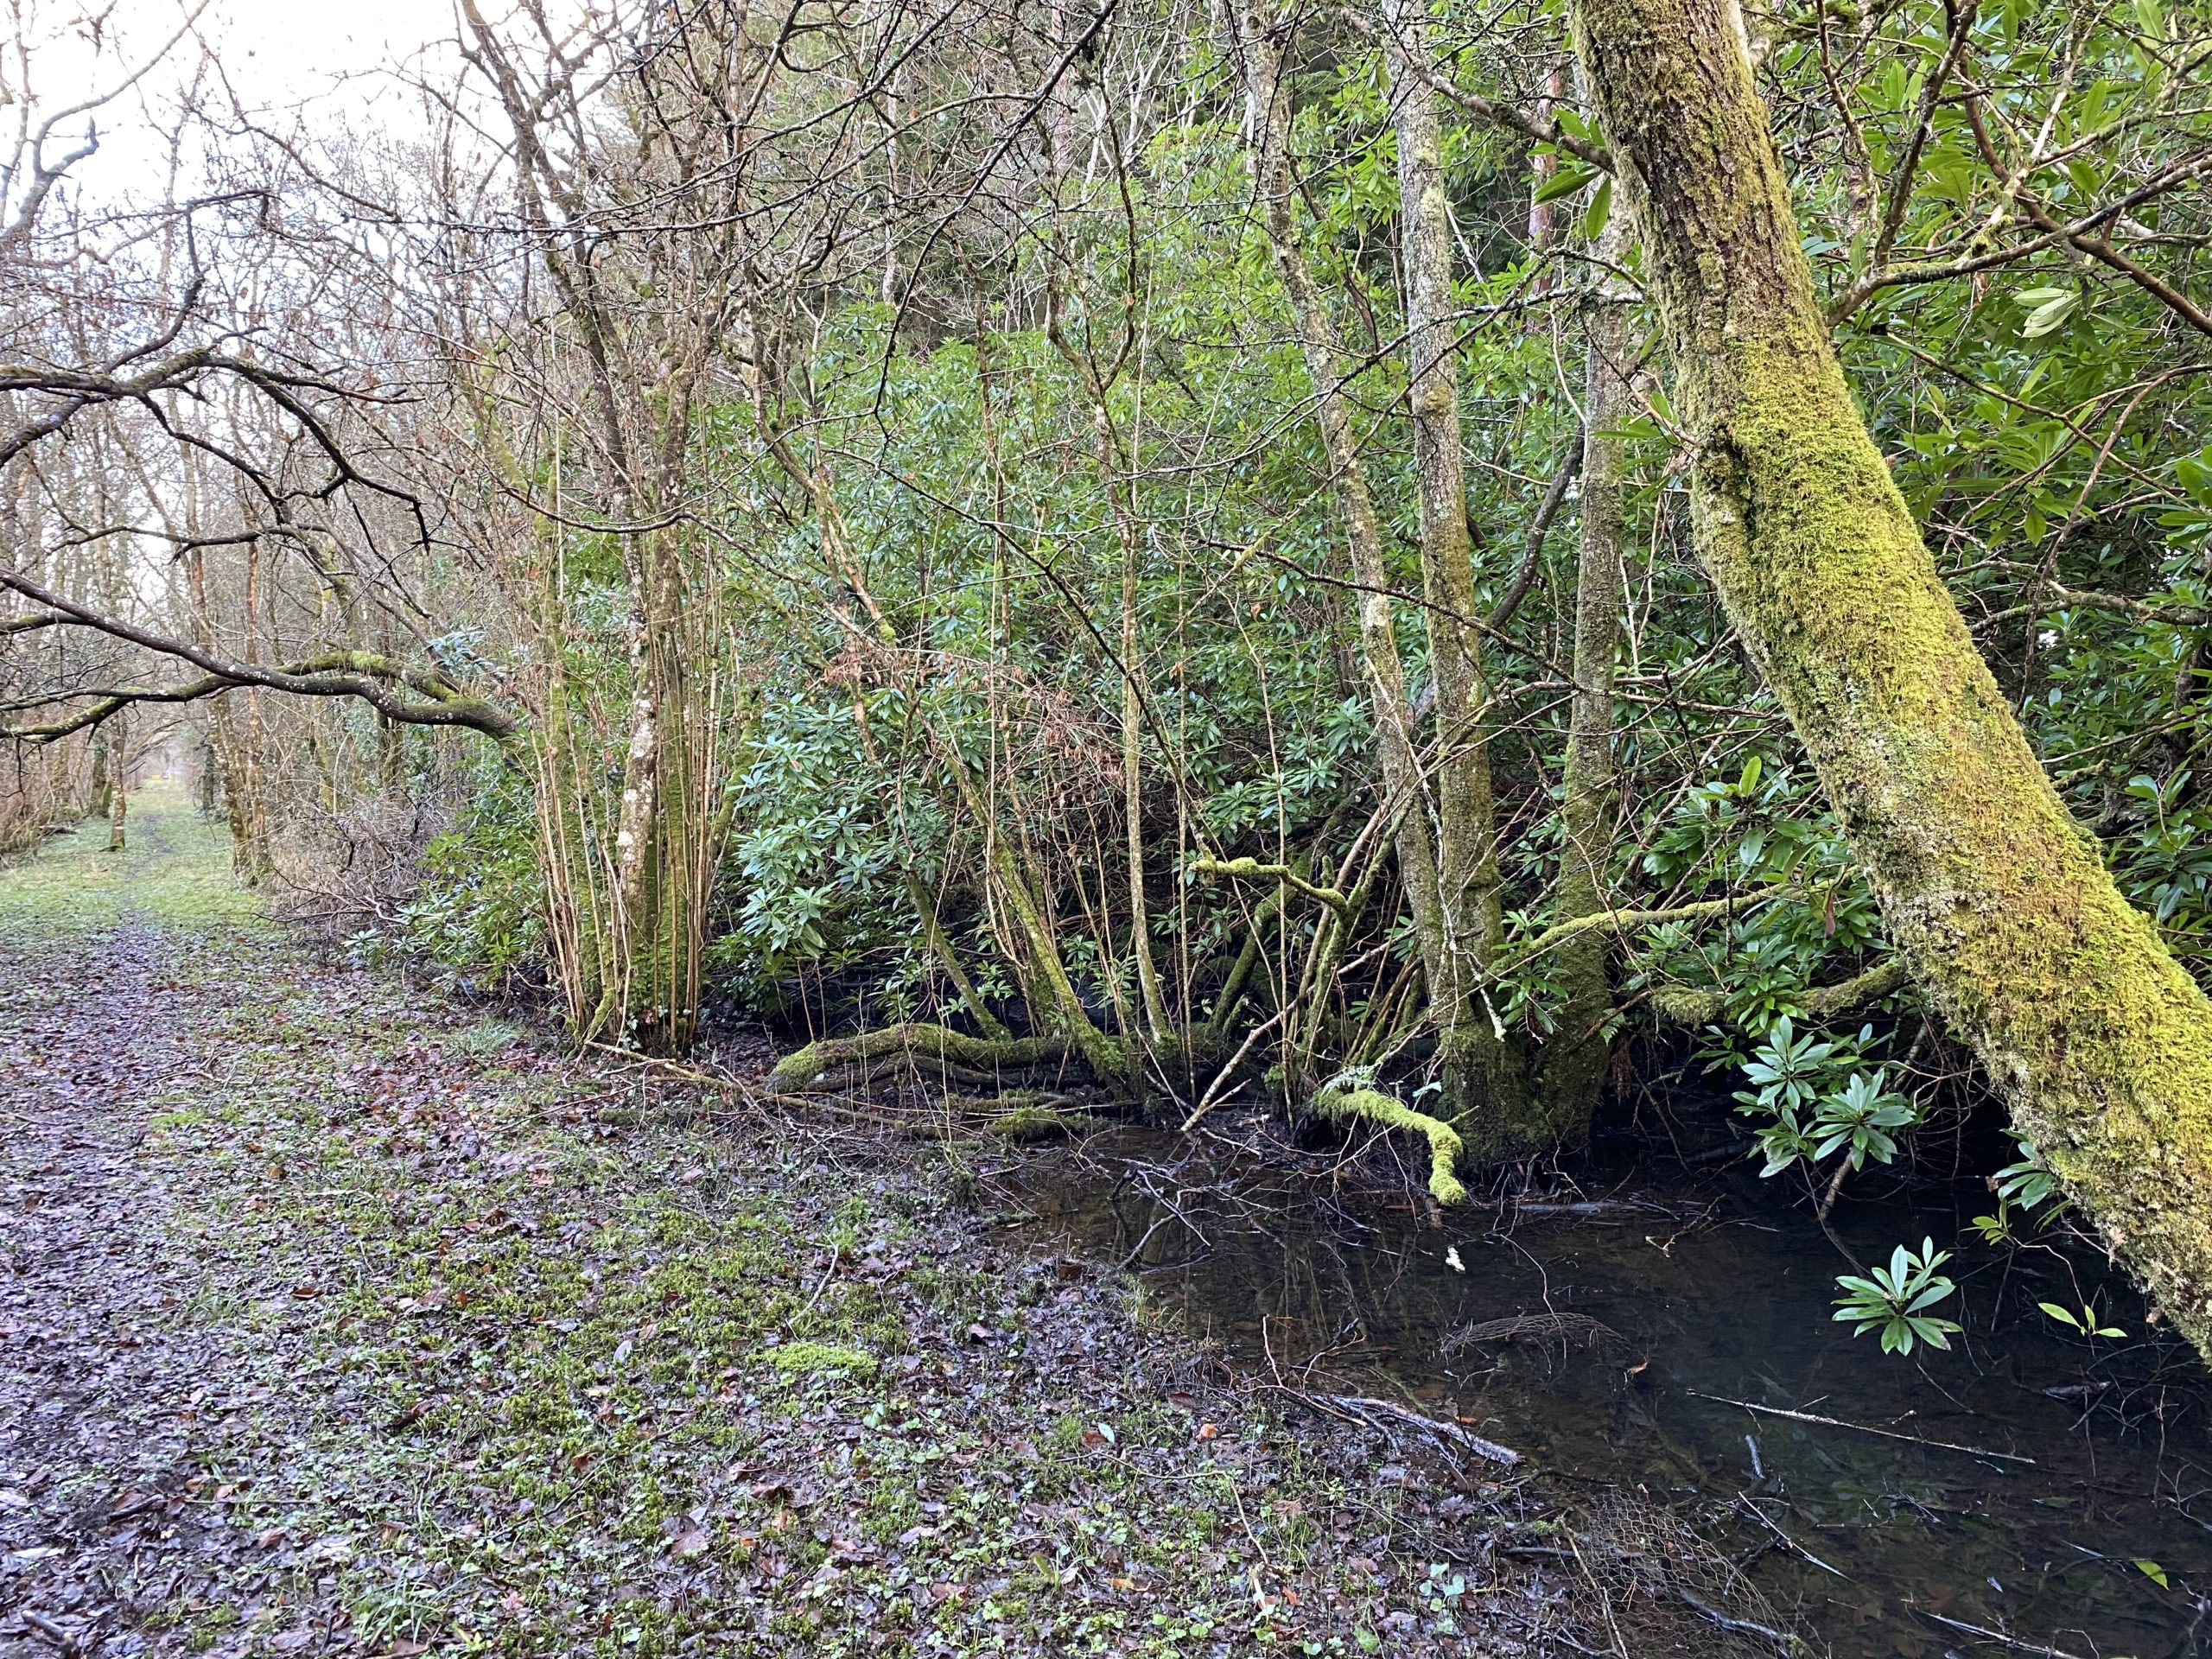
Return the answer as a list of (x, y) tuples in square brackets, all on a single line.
[(1866, 1428)]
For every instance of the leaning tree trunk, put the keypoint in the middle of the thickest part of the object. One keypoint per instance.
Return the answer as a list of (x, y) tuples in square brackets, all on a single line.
[(2098, 1039)]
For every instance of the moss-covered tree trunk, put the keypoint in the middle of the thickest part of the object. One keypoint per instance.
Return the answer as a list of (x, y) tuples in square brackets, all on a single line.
[(2002, 903), (96, 792), (118, 794), (1483, 1073), (1579, 1054)]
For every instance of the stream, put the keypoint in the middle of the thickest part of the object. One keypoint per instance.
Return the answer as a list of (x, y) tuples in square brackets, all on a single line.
[(1632, 1332)]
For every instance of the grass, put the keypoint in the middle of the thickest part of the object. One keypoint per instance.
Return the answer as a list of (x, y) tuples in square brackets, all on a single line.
[(174, 871)]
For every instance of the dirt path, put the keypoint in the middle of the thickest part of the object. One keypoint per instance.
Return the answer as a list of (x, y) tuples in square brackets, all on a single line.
[(336, 1319)]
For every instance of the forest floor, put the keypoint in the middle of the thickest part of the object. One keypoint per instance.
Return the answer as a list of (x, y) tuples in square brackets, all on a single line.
[(336, 1317)]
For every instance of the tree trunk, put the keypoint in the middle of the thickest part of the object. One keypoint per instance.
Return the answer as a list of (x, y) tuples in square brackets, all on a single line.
[(1485, 1080), (1156, 1009), (1576, 1061), (1326, 366), (2099, 1041), (118, 794), (391, 760), (96, 792)]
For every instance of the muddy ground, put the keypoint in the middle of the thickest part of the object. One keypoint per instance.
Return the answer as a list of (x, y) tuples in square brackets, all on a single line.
[(338, 1317)]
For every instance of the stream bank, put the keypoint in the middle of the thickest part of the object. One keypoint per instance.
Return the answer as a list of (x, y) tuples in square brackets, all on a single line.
[(1664, 1337)]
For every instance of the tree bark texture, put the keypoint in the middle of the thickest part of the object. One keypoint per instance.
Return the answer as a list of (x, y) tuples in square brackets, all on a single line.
[(1484, 1077), (2002, 903), (118, 794), (1579, 1054)]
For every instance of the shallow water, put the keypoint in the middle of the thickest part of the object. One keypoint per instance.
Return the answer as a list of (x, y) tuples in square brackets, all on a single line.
[(1710, 1288)]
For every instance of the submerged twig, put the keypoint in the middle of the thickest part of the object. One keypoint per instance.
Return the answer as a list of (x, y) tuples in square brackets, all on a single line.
[(1987, 1634), (1781, 1639), (1866, 1428)]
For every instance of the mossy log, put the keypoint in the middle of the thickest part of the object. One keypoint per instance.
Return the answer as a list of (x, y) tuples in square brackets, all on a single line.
[(1372, 1106), (2002, 904), (981, 1063), (873, 1054)]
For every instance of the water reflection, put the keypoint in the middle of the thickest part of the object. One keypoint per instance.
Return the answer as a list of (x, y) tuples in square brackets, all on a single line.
[(2018, 1482)]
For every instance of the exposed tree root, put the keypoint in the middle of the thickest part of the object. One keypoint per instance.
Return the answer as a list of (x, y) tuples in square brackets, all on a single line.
[(844, 1061), (1370, 1105)]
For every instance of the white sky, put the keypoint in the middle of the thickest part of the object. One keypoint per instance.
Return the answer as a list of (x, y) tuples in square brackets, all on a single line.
[(323, 61)]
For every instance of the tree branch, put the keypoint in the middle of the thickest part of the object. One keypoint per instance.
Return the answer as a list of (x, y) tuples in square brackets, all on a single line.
[(372, 678), (1246, 869)]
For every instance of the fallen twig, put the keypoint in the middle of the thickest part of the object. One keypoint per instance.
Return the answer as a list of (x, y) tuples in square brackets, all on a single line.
[(1866, 1428), (1358, 1405), (2012, 1641), (53, 1632), (684, 1073), (836, 1252)]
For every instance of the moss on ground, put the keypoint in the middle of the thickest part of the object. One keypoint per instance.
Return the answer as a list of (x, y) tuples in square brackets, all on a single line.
[(566, 1388)]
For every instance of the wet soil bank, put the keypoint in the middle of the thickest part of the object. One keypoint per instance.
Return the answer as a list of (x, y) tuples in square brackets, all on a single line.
[(1664, 1337), (335, 1318)]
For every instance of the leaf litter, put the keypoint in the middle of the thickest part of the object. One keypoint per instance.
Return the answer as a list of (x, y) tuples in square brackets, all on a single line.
[(337, 1319)]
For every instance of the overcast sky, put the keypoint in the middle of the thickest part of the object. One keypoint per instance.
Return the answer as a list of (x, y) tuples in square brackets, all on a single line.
[(321, 59)]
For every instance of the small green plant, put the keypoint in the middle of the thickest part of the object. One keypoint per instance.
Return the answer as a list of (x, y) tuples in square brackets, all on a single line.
[(2028, 1183), (1788, 1072), (2084, 1320), (1895, 1300), (1860, 1115), (1819, 1103)]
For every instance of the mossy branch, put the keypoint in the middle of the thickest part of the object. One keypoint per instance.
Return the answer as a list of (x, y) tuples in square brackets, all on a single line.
[(1372, 1106), (1251, 869), (1678, 1005), (933, 1046), (366, 674), (1627, 921)]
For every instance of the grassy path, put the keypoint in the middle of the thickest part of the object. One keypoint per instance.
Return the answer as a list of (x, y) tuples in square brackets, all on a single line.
[(334, 1318)]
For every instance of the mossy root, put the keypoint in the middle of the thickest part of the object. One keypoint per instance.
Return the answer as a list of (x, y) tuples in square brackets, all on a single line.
[(873, 1053), (1372, 1106)]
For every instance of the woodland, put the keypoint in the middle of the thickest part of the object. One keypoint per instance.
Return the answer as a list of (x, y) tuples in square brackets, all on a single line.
[(1465, 580)]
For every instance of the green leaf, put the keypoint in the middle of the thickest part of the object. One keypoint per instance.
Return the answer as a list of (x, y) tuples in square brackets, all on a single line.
[(2059, 1314), (2195, 476), (1601, 209), (2049, 313), (1565, 182), (2153, 1572), (2152, 20)]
